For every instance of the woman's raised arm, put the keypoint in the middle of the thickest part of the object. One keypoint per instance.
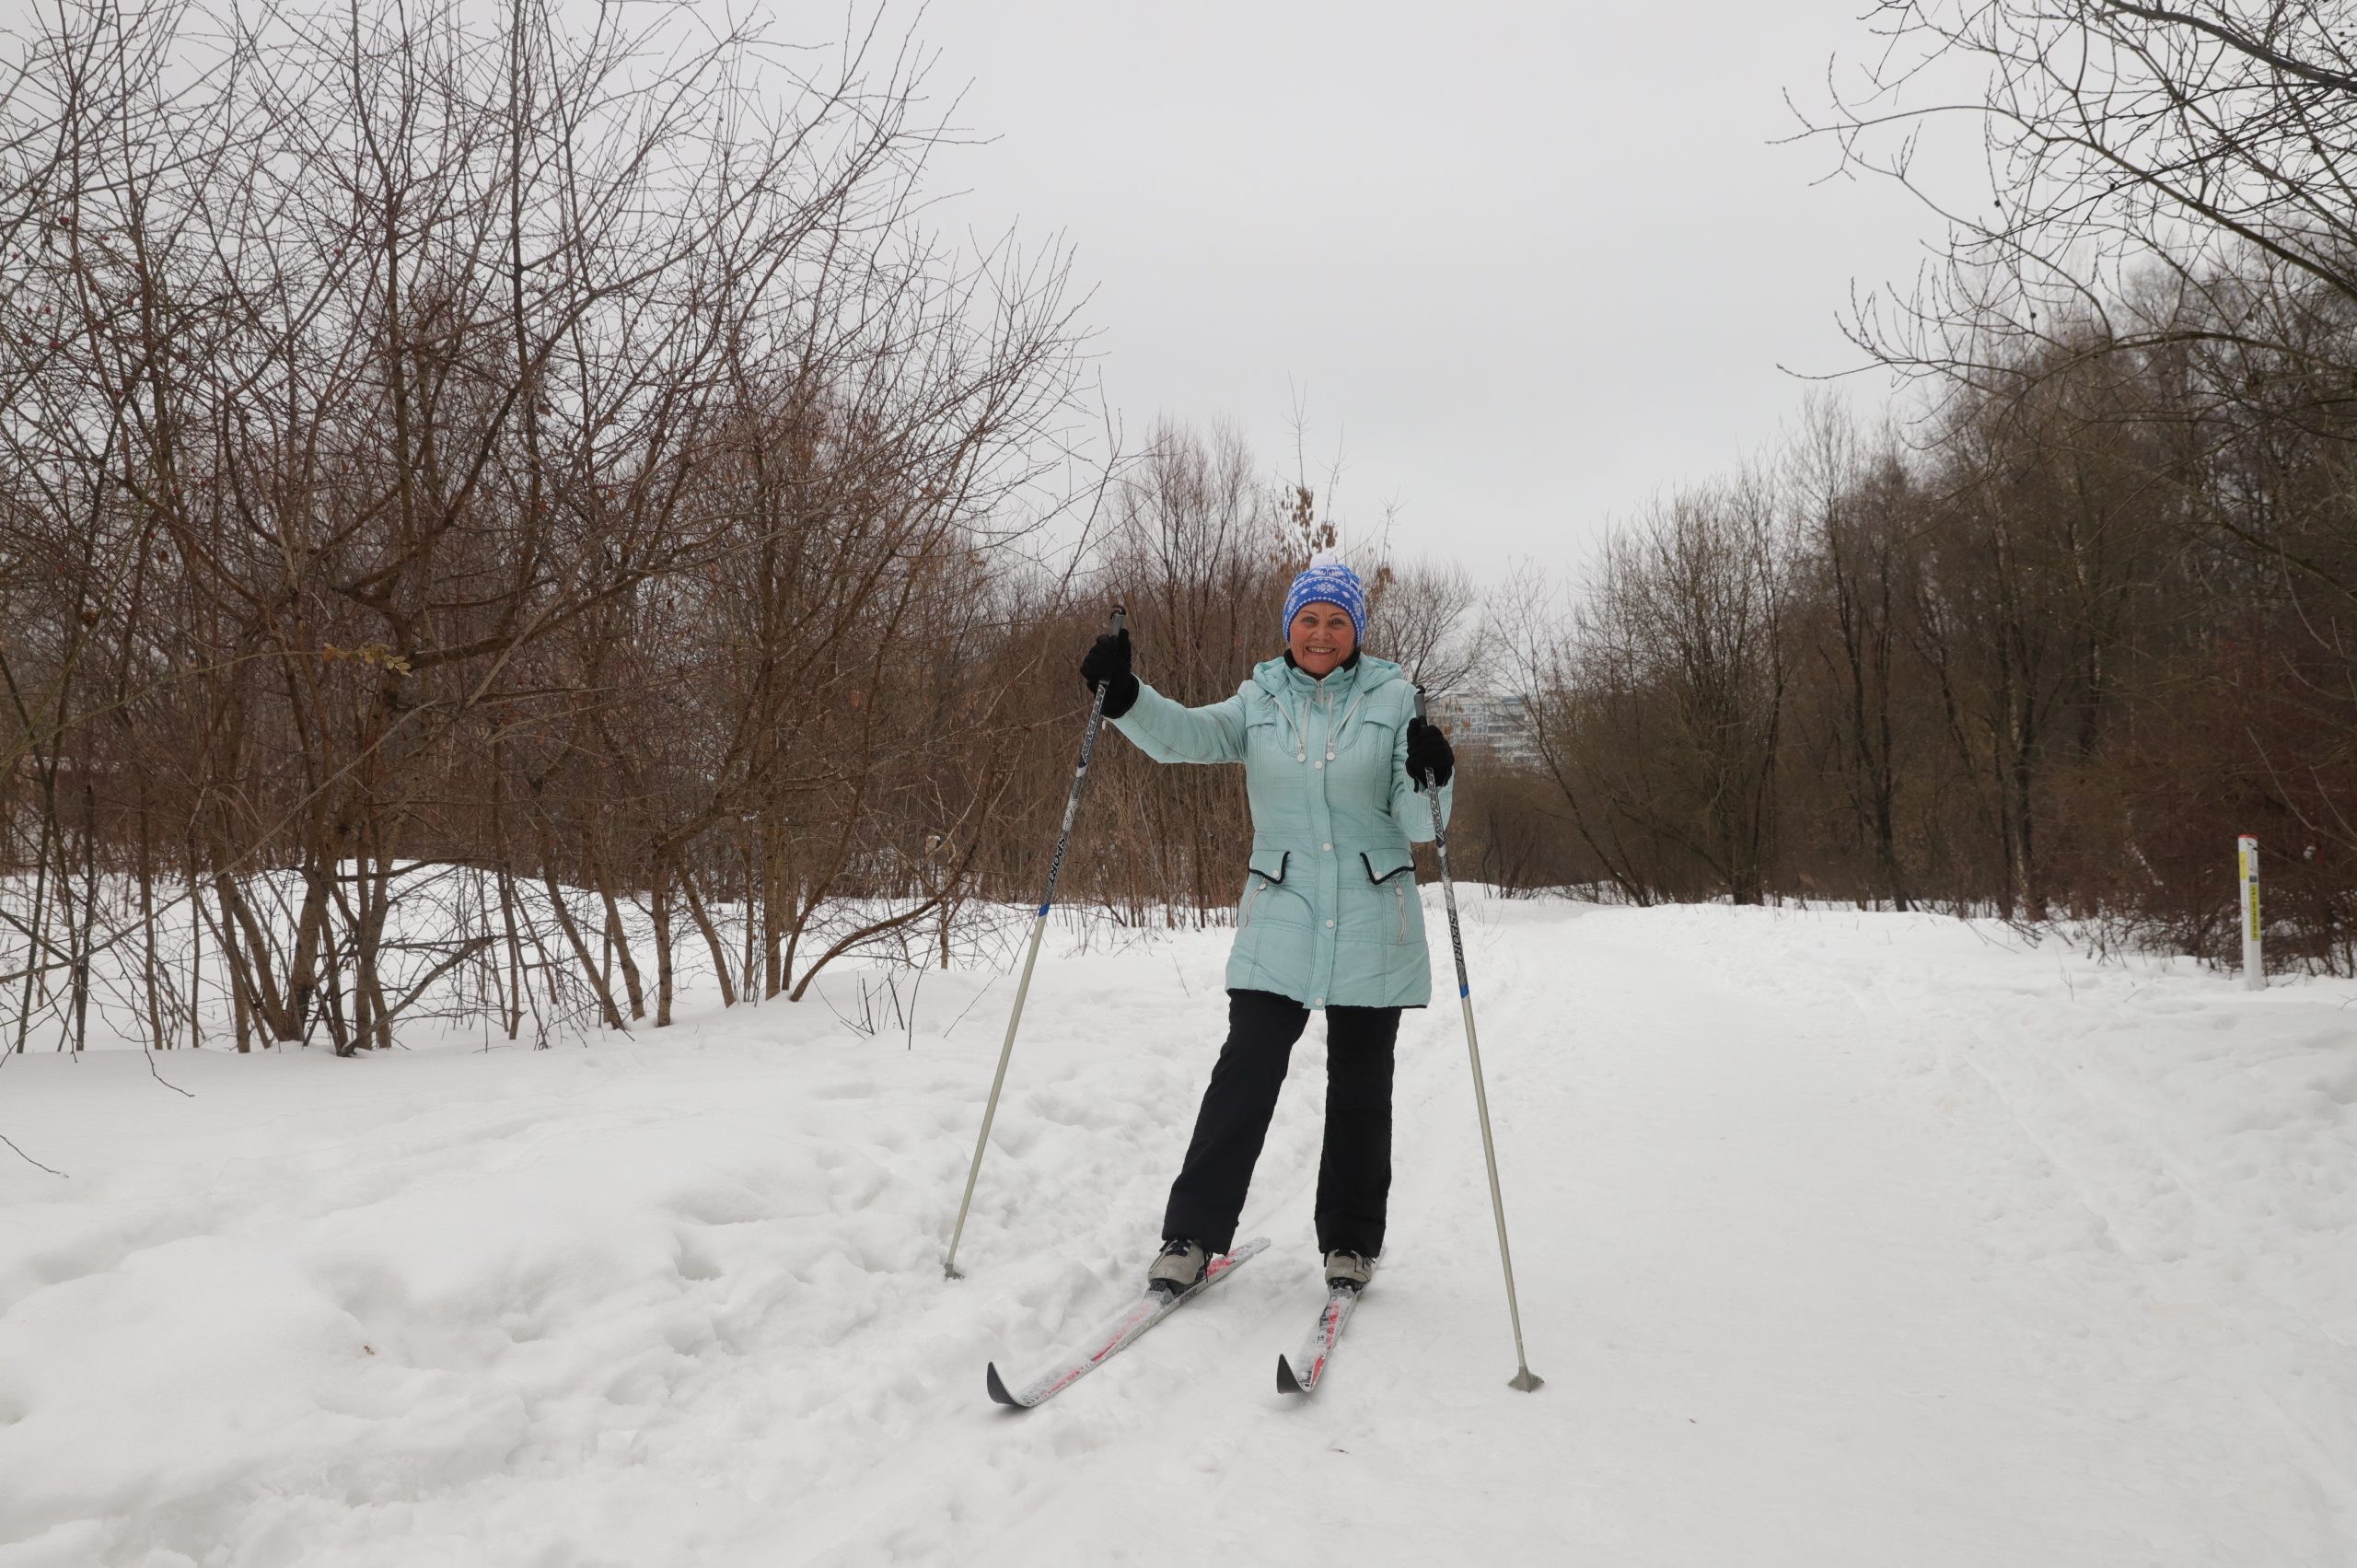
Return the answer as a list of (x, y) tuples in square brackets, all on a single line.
[(1171, 731)]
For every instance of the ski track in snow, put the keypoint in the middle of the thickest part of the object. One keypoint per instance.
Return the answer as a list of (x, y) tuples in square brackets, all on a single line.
[(1841, 1239)]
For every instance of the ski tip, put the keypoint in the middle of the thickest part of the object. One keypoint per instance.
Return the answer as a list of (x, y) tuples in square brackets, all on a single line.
[(998, 1388), (1286, 1382)]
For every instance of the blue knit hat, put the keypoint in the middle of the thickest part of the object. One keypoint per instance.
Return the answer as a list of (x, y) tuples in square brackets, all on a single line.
[(1327, 581)]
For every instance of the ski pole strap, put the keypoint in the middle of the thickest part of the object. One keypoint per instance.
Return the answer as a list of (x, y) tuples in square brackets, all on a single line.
[(1079, 777)]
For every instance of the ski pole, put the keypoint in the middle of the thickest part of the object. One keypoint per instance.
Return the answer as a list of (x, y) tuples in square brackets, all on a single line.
[(1030, 956), (1524, 1378)]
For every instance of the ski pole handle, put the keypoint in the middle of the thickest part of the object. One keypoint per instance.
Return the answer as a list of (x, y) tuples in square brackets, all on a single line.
[(1448, 887), (1079, 776)]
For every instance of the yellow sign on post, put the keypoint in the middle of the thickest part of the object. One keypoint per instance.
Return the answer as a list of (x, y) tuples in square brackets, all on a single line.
[(2246, 865)]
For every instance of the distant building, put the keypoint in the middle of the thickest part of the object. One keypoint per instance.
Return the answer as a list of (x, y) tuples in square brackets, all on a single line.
[(1492, 720)]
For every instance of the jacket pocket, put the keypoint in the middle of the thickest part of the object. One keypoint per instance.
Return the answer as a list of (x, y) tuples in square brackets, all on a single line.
[(1265, 741), (1268, 871), (1388, 872)]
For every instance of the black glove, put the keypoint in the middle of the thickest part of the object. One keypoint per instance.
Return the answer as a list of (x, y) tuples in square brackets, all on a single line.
[(1108, 664), (1430, 762)]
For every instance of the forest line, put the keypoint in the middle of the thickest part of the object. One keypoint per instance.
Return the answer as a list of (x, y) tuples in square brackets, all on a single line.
[(493, 518)]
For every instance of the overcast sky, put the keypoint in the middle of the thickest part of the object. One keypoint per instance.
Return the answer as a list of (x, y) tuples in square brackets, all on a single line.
[(1525, 265)]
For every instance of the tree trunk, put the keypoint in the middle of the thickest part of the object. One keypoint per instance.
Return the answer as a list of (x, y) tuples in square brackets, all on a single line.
[(720, 957)]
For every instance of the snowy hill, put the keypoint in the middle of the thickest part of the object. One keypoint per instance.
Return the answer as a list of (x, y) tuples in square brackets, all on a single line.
[(1843, 1239)]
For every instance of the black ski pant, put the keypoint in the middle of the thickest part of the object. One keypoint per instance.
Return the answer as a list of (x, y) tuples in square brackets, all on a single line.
[(1354, 1175)]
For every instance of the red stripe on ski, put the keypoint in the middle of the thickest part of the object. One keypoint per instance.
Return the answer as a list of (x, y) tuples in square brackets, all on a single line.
[(1319, 1348), (1120, 1334)]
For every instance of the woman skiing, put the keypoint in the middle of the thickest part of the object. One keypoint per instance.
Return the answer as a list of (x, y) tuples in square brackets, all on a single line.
[(1333, 758)]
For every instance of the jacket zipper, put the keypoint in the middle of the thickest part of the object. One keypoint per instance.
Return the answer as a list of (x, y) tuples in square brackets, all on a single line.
[(1401, 894)]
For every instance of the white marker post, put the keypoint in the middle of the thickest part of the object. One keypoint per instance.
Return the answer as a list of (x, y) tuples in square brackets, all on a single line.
[(2246, 862)]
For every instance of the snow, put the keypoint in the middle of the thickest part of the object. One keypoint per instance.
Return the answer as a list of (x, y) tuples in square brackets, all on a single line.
[(1842, 1238)]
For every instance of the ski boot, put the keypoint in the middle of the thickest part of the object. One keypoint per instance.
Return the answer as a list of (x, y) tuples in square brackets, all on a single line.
[(1181, 1267), (1348, 1270)]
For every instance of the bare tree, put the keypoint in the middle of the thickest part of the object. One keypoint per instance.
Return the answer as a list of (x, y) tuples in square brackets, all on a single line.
[(407, 386)]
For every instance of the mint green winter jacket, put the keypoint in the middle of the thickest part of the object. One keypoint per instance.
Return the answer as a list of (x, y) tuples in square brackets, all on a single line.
[(1328, 913)]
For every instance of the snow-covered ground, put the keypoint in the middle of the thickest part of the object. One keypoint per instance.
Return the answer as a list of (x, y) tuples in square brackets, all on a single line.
[(1842, 1239)]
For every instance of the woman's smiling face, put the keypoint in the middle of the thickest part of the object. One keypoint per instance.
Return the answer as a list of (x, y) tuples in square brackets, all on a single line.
[(1322, 637)]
